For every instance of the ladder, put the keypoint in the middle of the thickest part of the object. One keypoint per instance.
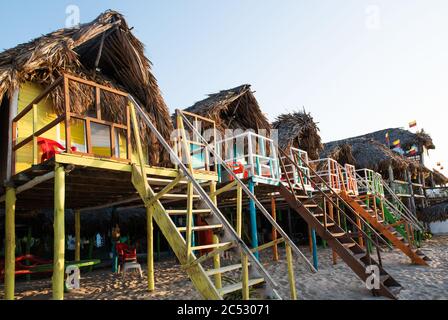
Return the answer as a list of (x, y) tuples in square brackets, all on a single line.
[(330, 229), (248, 278), (375, 216)]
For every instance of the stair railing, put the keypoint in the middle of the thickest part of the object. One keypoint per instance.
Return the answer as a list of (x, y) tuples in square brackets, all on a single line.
[(313, 173), (202, 193), (240, 183)]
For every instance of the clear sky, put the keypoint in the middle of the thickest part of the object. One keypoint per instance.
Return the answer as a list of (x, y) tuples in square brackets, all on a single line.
[(356, 65)]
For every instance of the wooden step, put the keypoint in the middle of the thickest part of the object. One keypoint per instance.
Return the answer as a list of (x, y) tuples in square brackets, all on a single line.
[(359, 256), (202, 228), (184, 212), (339, 235), (311, 206), (211, 246), (349, 245), (239, 286), (162, 182), (222, 270), (178, 196)]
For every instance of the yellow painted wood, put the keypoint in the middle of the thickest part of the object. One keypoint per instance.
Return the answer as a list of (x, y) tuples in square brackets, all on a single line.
[(292, 279), (268, 245), (10, 245), (59, 233), (77, 235), (195, 271), (224, 189), (165, 190), (216, 258), (35, 147), (188, 236), (138, 142), (245, 276), (109, 164), (239, 210), (150, 232), (186, 147)]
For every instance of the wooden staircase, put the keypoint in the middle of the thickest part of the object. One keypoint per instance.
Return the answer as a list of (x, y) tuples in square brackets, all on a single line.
[(343, 243), (376, 219), (247, 276)]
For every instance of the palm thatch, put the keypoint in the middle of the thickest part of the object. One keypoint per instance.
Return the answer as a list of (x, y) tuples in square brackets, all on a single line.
[(439, 178), (122, 65), (299, 130), (235, 108), (436, 213), (407, 138), (367, 153)]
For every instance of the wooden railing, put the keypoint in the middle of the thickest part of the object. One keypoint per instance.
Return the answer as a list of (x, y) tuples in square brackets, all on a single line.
[(66, 118)]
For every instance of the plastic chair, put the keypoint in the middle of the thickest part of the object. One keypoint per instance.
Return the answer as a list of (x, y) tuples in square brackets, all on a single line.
[(239, 169), (125, 254), (50, 148)]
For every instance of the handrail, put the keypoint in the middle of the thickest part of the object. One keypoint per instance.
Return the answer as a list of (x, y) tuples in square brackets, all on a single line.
[(254, 198), (409, 219), (344, 202)]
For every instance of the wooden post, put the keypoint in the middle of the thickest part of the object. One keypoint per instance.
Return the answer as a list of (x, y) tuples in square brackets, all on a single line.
[(239, 210), (274, 231), (411, 189), (331, 213), (245, 276), (189, 229), (10, 245), (391, 174), (253, 219), (216, 258), (59, 233), (35, 146), (150, 245), (292, 280), (77, 235)]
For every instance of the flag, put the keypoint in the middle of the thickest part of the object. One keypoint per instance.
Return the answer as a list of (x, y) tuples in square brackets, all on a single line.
[(439, 164), (397, 143), (387, 139), (412, 151), (413, 124)]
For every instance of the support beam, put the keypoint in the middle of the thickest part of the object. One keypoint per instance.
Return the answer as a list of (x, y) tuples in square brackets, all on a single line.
[(216, 258), (10, 245), (314, 244), (77, 235), (292, 279), (253, 219), (239, 211), (150, 241), (274, 231), (59, 233)]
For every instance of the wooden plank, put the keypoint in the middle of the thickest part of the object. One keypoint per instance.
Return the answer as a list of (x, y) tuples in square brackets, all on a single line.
[(39, 132), (238, 286), (95, 85), (68, 132)]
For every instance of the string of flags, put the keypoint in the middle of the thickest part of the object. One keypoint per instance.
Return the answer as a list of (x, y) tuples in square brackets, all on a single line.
[(413, 124)]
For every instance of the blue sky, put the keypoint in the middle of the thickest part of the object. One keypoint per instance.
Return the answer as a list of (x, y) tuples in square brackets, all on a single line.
[(356, 65)]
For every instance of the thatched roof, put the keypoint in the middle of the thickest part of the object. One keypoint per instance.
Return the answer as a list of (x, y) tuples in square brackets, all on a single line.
[(366, 153), (407, 138), (436, 213), (439, 178), (299, 130), (122, 65), (235, 108)]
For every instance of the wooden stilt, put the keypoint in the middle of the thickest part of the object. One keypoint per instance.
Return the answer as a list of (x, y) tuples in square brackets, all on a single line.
[(10, 245), (253, 219), (59, 233), (77, 235), (292, 279), (245, 276), (150, 242), (217, 257), (331, 214), (274, 231), (239, 210)]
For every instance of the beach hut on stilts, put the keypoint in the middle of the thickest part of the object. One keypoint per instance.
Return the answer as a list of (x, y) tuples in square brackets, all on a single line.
[(88, 130)]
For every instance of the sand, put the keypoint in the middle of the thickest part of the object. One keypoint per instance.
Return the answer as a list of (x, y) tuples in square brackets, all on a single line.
[(330, 283)]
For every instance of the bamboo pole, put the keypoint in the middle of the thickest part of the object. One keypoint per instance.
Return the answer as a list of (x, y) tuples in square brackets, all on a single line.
[(150, 241), (274, 231), (10, 246), (77, 235), (59, 233), (216, 258), (292, 280)]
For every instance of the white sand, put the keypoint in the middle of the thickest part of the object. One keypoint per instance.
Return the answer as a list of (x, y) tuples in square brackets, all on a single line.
[(331, 283)]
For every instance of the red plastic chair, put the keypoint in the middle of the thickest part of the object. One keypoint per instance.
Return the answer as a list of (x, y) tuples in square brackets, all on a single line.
[(125, 253), (50, 148), (239, 169)]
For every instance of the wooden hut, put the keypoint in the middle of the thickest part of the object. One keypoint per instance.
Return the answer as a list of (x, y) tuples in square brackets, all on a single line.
[(103, 51), (298, 130)]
